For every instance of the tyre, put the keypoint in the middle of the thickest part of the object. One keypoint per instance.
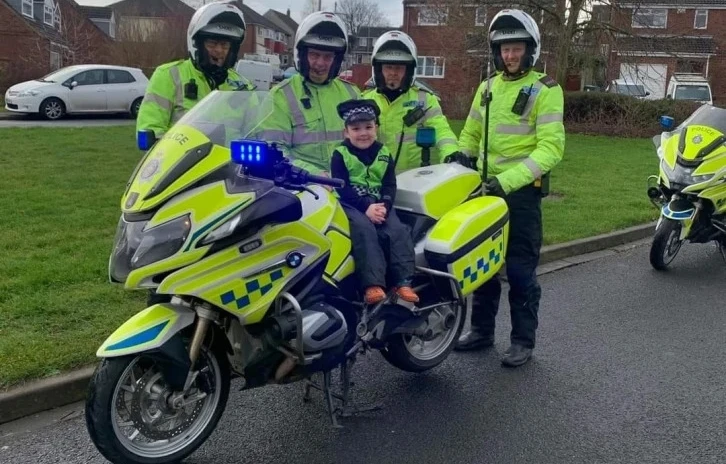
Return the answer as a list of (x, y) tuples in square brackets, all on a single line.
[(666, 244), (415, 354), (135, 106), (130, 421), (52, 108)]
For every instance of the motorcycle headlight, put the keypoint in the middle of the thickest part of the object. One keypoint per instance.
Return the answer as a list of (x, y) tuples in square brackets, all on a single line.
[(161, 241), (135, 246)]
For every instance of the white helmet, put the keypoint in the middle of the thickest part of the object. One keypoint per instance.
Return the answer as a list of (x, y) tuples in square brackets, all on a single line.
[(394, 47), (514, 26), (321, 30), (216, 20)]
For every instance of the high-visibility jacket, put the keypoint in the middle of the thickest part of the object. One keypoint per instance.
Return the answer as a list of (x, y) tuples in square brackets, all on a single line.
[(305, 122), (389, 132), (165, 101), (366, 179), (521, 147)]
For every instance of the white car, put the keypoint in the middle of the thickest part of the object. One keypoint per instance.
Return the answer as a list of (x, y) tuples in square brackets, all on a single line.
[(80, 89)]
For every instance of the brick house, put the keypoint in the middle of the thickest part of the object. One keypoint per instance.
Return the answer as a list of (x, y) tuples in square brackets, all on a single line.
[(661, 37), (288, 27), (452, 47), (263, 36), (37, 37)]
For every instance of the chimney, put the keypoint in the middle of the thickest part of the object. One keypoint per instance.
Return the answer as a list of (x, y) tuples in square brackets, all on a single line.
[(288, 12)]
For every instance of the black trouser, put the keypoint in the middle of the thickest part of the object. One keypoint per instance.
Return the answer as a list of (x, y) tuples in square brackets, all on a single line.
[(373, 242), (525, 240)]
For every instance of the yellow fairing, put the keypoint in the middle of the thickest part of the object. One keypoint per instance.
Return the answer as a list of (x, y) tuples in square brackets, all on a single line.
[(697, 138), (717, 195), (326, 215), (147, 330), (246, 283), (670, 150), (449, 194), (470, 241), (178, 147), (209, 207)]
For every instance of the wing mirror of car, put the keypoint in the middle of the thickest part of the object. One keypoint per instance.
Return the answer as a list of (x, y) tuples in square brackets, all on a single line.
[(647, 93), (71, 85), (667, 123)]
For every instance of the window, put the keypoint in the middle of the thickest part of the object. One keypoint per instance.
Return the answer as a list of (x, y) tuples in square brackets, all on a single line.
[(27, 8), (57, 17), (701, 19), (94, 77), (430, 66), (432, 16), (690, 66), (656, 18), (118, 76), (259, 32), (604, 49), (48, 10), (481, 16), (55, 61), (362, 41)]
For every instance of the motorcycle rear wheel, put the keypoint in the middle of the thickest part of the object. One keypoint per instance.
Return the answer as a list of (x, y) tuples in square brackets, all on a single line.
[(129, 420), (413, 354), (666, 244)]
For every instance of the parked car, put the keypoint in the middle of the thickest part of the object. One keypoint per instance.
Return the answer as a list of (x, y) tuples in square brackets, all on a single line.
[(80, 89), (625, 87)]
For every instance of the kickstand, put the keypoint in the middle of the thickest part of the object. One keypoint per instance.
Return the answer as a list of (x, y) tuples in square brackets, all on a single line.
[(328, 393), (347, 409)]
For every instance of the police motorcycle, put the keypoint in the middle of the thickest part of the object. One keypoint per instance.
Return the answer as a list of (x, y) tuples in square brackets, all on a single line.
[(690, 189), (255, 256)]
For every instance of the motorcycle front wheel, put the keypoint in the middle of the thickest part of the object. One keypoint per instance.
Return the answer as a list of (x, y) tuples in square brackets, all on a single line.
[(666, 244), (418, 354), (129, 416)]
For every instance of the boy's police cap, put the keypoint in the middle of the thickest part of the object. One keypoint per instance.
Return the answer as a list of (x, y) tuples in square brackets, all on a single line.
[(358, 110)]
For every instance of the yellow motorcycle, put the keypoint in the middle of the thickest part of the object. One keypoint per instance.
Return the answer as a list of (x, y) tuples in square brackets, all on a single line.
[(255, 259), (690, 189)]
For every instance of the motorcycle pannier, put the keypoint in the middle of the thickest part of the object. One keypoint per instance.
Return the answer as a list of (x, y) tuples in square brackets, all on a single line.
[(470, 241)]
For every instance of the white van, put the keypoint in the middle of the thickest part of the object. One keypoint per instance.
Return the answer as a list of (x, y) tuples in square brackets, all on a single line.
[(256, 71), (692, 87)]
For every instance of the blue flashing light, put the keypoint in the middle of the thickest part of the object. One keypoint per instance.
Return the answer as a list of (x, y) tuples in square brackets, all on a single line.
[(667, 122), (145, 139), (248, 151), (425, 136)]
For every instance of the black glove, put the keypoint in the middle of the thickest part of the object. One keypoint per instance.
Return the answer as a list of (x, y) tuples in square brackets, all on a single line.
[(462, 159), (494, 188)]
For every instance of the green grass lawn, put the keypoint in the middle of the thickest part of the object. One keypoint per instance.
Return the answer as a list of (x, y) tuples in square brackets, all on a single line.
[(60, 196)]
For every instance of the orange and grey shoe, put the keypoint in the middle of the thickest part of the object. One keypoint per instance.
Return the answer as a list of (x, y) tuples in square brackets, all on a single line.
[(407, 294), (374, 295)]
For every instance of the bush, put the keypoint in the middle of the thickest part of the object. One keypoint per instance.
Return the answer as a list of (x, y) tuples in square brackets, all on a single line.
[(601, 113)]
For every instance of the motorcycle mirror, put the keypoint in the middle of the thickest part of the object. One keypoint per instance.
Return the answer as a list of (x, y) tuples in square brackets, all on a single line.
[(667, 123), (145, 139)]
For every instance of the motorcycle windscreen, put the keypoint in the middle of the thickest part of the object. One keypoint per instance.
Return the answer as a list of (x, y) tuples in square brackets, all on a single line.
[(196, 146)]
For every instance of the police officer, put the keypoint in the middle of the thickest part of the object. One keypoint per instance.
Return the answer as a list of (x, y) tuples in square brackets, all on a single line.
[(394, 67), (213, 39), (526, 140), (305, 123)]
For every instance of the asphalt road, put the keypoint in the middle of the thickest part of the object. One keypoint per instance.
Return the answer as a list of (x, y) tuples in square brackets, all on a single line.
[(9, 120), (628, 369)]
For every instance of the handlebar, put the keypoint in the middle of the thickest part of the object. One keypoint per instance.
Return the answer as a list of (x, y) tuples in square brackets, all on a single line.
[(322, 180)]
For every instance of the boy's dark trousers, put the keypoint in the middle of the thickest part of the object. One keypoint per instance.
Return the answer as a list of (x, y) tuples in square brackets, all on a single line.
[(373, 242)]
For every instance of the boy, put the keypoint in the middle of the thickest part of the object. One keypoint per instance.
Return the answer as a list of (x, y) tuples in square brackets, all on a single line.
[(367, 168)]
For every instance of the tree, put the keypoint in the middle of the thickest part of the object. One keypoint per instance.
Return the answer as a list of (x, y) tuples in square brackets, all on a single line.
[(360, 13), (311, 6)]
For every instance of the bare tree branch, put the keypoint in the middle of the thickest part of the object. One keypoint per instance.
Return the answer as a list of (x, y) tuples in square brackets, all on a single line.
[(360, 13)]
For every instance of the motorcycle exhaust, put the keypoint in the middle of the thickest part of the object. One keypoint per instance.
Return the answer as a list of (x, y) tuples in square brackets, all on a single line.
[(450, 321)]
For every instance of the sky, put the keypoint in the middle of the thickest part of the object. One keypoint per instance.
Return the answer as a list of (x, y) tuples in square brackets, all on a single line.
[(391, 9)]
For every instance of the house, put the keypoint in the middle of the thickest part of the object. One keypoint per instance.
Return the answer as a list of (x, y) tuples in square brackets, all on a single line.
[(138, 20), (451, 38), (361, 49), (263, 36), (288, 26), (37, 37), (662, 37)]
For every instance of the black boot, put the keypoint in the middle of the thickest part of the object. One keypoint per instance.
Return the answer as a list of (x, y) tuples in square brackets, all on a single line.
[(474, 340), (516, 355)]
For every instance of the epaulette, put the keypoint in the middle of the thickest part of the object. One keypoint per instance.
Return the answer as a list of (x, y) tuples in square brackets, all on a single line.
[(422, 89), (548, 81), (170, 64)]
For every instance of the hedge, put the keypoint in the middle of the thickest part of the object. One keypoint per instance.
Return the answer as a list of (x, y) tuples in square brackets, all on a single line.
[(601, 113)]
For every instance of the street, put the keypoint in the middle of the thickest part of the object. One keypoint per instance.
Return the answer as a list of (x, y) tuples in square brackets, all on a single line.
[(628, 369), (10, 120)]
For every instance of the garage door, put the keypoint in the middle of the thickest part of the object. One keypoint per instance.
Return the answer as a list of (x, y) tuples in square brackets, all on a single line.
[(652, 76)]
